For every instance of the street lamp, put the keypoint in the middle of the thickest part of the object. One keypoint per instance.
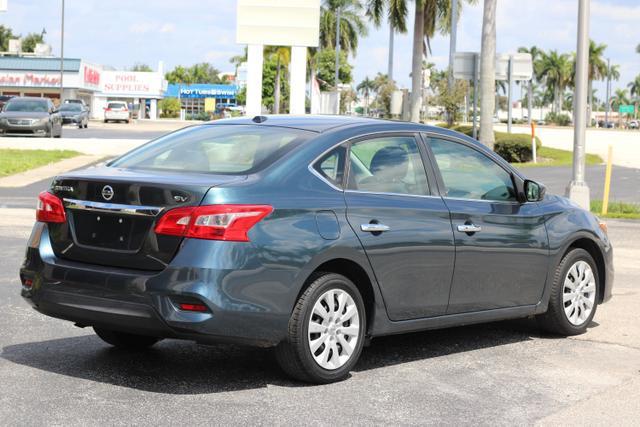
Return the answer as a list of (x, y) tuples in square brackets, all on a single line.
[(578, 191)]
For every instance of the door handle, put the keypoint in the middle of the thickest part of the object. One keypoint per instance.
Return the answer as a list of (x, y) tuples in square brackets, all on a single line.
[(469, 228), (374, 228)]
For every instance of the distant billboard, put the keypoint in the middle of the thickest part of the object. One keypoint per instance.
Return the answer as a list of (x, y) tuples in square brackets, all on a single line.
[(278, 22), (3, 5)]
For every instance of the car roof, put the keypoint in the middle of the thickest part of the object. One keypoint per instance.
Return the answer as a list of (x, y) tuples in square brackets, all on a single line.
[(313, 123)]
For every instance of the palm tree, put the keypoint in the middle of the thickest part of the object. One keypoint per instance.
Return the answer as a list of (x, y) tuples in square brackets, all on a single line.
[(634, 90), (282, 56), (397, 17), (487, 73), (556, 69), (430, 15), (619, 98), (535, 58), (597, 67), (365, 87), (237, 60), (352, 24)]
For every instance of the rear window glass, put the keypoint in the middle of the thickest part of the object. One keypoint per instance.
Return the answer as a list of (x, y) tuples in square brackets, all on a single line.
[(116, 105), (220, 149)]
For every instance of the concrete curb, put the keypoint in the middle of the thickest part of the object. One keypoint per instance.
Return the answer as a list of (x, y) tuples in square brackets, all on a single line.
[(47, 171)]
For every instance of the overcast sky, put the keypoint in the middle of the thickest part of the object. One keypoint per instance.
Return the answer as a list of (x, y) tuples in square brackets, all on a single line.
[(122, 32)]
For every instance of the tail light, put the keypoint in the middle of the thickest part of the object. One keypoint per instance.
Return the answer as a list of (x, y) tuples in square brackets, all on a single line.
[(212, 222), (50, 208)]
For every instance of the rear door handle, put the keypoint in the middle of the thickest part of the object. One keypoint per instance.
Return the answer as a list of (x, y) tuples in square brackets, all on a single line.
[(469, 228), (374, 228)]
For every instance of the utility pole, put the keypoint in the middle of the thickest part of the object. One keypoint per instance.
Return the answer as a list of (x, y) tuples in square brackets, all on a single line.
[(578, 191), (62, 53), (608, 90), (452, 44), (390, 65), (337, 76)]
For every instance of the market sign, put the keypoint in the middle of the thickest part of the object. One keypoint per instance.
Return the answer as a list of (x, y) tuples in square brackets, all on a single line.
[(91, 76), (626, 109), (30, 80), (132, 83)]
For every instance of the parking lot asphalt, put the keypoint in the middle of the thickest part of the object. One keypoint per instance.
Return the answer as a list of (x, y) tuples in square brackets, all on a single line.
[(506, 373)]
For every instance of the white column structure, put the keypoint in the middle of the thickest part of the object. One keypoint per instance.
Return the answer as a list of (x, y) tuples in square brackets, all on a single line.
[(297, 81), (254, 79), (153, 109)]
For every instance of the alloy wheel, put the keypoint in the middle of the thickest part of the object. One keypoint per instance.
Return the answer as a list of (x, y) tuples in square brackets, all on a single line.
[(579, 293), (334, 329)]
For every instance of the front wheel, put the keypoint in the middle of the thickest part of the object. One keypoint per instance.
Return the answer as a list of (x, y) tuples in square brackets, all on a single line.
[(124, 340), (326, 331), (574, 295)]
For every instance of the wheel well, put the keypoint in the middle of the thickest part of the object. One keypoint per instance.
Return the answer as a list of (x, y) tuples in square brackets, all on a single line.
[(593, 249), (354, 272)]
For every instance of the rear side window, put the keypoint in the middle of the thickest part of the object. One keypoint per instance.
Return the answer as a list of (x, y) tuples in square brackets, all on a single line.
[(220, 149), (331, 166)]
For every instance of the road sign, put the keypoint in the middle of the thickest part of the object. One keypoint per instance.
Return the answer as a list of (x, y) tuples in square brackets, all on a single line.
[(521, 66), (626, 109), (464, 65)]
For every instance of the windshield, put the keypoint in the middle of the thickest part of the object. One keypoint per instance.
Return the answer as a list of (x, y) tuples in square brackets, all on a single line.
[(27, 106), (220, 149), (71, 107)]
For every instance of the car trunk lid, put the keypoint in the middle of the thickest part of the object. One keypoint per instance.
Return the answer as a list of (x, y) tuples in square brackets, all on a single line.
[(111, 214)]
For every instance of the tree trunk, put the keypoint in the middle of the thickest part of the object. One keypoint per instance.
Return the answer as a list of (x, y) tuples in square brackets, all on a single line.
[(416, 64), (276, 91), (487, 73), (590, 102), (390, 64)]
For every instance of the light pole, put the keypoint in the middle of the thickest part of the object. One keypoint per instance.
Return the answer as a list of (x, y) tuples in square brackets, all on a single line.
[(337, 69), (62, 53), (578, 190)]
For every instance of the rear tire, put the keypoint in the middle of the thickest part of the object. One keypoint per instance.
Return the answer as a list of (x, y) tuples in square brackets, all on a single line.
[(574, 295), (124, 340), (331, 349)]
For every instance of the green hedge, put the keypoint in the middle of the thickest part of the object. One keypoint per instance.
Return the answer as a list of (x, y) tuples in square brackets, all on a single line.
[(513, 147)]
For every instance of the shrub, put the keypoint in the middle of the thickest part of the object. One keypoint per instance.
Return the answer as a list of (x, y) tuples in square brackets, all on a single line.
[(513, 147), (170, 108), (559, 119)]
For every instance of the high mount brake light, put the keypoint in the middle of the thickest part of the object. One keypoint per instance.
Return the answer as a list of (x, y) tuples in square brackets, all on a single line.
[(50, 208), (212, 222)]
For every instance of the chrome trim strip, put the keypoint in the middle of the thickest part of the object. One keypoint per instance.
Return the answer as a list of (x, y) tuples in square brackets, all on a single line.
[(424, 196), (112, 207)]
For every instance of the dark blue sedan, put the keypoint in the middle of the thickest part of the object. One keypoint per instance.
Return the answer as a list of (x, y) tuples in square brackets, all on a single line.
[(311, 235)]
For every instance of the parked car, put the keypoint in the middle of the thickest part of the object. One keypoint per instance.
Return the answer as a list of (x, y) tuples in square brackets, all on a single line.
[(311, 235), (75, 113), (34, 116), (117, 112), (4, 99)]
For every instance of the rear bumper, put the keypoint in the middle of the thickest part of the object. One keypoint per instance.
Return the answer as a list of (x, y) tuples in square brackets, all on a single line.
[(147, 302)]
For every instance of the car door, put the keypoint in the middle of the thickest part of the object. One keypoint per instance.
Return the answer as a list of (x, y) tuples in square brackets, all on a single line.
[(404, 228), (501, 243)]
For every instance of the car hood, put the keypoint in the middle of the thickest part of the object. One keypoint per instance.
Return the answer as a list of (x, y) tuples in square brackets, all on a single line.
[(22, 115)]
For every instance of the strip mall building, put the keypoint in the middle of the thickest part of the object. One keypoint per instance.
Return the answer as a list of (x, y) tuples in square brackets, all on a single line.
[(95, 84)]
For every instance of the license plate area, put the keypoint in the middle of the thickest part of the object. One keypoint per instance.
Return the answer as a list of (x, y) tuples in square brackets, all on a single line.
[(110, 231)]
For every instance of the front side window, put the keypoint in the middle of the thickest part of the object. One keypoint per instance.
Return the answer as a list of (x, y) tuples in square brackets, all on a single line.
[(220, 149), (469, 174), (387, 165)]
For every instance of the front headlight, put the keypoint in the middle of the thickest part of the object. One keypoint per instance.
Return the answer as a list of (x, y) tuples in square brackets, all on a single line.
[(3, 121)]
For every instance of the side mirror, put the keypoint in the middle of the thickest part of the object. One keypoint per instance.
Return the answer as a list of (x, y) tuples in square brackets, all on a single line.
[(533, 191)]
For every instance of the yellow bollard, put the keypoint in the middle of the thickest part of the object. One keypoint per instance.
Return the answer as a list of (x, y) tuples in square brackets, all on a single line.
[(607, 183)]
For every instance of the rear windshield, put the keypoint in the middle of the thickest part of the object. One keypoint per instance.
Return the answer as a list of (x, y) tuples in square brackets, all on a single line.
[(27, 106), (71, 107), (219, 149), (115, 105)]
